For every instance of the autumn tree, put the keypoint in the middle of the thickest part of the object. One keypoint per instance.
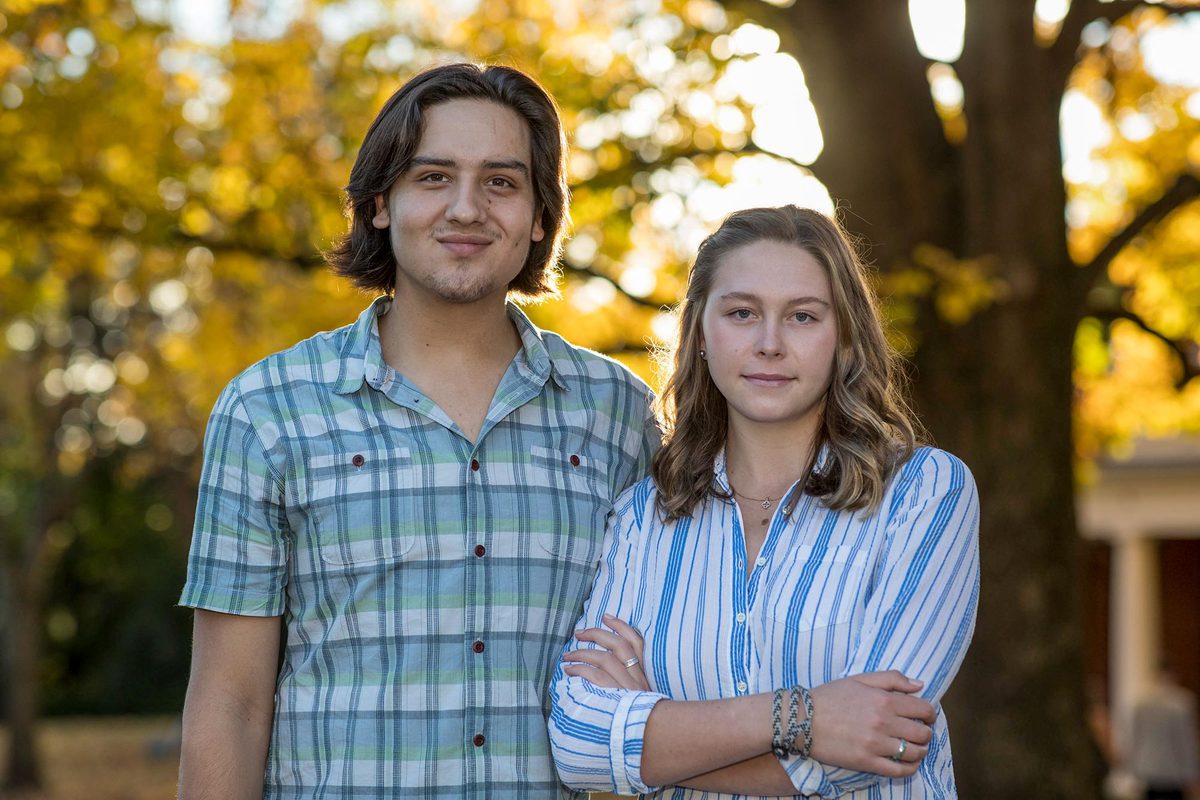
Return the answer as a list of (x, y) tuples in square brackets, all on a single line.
[(962, 199)]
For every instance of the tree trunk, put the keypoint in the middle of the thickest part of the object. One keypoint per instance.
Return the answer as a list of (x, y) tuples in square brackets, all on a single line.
[(22, 646), (995, 389)]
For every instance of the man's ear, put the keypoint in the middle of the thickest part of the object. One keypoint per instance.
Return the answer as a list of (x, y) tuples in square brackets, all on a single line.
[(382, 218), (538, 233)]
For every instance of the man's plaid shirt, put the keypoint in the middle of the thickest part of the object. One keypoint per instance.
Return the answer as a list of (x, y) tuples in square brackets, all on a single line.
[(427, 582)]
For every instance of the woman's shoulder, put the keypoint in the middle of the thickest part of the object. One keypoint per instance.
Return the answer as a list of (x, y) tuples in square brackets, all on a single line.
[(931, 470), (636, 503)]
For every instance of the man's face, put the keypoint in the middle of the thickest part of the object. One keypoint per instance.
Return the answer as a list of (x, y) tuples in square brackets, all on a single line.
[(463, 216)]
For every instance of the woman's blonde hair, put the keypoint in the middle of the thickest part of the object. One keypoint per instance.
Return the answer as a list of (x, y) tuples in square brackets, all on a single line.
[(866, 424)]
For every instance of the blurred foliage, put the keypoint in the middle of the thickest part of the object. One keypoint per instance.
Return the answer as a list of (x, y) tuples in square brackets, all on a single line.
[(1130, 377), (120, 561), (166, 202)]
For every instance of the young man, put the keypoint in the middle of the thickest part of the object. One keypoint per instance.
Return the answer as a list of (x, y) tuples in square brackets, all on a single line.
[(421, 496)]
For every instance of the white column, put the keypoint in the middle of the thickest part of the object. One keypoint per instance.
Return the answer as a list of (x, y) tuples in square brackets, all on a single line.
[(1135, 623)]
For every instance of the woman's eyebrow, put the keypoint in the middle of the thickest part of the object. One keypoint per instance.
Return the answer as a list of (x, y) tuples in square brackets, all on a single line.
[(746, 297)]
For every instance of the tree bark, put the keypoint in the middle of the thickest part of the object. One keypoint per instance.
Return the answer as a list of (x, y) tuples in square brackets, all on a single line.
[(996, 390), (22, 646)]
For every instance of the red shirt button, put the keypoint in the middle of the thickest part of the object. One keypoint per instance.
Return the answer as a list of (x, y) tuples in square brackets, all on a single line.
[(358, 460), (479, 740), (478, 647), (574, 460), (474, 465), (480, 550)]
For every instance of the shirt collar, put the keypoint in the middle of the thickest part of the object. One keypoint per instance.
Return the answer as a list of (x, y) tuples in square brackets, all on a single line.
[(360, 344), (537, 357), (362, 352)]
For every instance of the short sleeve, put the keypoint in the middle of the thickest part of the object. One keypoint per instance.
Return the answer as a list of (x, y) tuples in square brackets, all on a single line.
[(237, 563)]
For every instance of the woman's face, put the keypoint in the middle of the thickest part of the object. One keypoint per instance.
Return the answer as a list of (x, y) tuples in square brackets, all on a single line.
[(770, 334)]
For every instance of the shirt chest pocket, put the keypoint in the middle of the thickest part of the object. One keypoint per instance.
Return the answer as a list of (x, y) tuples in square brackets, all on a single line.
[(361, 505), (571, 497), (821, 587)]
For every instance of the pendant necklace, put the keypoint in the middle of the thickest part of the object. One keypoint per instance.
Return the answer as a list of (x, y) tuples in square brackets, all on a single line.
[(766, 501)]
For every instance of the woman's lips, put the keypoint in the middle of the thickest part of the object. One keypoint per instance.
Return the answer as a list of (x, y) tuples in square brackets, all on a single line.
[(767, 379)]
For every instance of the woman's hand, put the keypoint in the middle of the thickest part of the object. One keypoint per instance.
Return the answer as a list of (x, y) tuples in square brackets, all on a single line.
[(608, 667), (859, 722)]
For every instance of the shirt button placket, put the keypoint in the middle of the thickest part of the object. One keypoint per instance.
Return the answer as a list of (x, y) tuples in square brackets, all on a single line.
[(476, 616), (739, 672)]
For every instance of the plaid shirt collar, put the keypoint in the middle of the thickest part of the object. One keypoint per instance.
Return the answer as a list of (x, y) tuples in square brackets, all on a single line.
[(362, 352)]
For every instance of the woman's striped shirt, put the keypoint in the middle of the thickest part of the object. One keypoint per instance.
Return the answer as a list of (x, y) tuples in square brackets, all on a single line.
[(831, 594)]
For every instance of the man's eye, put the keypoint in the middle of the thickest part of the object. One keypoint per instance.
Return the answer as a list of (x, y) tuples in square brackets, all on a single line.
[(503, 183), (435, 177)]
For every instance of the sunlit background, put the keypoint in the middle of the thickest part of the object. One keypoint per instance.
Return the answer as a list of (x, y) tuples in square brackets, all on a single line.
[(173, 170)]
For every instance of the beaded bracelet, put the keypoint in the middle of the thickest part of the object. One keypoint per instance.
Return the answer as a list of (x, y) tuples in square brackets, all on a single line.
[(793, 727), (805, 727), (779, 746), (785, 744)]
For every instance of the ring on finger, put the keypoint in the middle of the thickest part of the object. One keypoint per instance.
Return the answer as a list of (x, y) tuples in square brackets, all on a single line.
[(632, 662), (901, 749)]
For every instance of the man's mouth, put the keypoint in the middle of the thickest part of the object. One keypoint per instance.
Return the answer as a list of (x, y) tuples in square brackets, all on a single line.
[(464, 244)]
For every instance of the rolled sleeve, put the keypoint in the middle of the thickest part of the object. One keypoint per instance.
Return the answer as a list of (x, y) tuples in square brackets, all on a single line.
[(238, 556), (597, 733)]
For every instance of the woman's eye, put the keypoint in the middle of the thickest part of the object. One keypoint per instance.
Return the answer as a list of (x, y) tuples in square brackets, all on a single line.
[(742, 313), (803, 316)]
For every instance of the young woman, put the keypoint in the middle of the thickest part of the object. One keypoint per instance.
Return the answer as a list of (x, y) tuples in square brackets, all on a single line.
[(791, 542)]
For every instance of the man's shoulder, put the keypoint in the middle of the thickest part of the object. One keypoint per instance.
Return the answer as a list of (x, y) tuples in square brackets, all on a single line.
[(316, 360), (576, 363)]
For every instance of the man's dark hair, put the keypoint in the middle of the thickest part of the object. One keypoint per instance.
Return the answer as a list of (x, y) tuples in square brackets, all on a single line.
[(364, 255)]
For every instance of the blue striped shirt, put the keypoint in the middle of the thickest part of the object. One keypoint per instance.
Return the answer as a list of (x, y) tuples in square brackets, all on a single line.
[(831, 594), (426, 581)]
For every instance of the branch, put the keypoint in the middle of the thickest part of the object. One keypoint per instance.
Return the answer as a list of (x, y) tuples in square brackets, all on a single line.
[(588, 272), (1186, 350), (1186, 187), (304, 261)]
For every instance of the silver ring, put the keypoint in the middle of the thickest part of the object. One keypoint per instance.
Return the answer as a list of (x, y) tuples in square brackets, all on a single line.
[(631, 662), (900, 751)]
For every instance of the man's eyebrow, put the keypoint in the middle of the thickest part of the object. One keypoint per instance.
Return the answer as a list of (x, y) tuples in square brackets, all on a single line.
[(515, 164), (431, 161), (796, 301)]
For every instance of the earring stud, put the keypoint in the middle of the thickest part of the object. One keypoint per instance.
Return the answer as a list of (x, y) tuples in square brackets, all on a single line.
[(703, 355)]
